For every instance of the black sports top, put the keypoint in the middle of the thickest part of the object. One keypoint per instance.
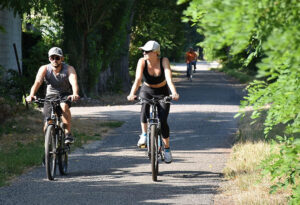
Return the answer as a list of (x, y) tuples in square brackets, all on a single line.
[(152, 80)]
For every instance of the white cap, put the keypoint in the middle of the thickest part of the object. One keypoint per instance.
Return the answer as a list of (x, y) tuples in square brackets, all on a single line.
[(55, 51), (151, 46)]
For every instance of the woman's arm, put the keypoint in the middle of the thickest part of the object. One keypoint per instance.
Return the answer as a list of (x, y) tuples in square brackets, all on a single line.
[(138, 79), (168, 75)]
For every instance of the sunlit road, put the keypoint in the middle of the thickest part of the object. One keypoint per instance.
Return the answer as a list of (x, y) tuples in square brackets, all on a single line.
[(114, 171)]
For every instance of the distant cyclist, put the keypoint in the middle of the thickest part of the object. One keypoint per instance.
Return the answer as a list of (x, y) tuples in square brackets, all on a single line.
[(157, 82), (191, 60), (61, 80)]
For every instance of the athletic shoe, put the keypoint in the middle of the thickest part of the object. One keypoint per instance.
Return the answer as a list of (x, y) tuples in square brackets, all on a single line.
[(69, 139), (142, 140), (168, 155)]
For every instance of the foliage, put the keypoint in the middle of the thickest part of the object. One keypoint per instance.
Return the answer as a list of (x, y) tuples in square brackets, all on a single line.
[(94, 37), (269, 30), (21, 6), (161, 21)]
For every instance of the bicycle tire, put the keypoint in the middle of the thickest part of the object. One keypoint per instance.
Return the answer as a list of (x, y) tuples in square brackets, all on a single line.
[(154, 152), (62, 154), (50, 152)]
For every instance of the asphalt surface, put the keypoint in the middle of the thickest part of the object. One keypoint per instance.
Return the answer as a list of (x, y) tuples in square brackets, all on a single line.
[(115, 171)]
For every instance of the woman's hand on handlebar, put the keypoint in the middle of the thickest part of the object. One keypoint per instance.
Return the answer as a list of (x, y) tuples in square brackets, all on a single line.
[(175, 96), (131, 97), (73, 97)]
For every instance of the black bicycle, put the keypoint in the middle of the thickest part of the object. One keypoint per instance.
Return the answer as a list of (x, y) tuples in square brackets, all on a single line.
[(56, 151), (155, 145)]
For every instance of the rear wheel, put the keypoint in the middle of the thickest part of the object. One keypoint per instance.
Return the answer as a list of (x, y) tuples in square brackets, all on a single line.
[(154, 152), (50, 152), (62, 154)]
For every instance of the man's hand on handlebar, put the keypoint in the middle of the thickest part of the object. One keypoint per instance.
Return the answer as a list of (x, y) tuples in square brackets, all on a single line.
[(30, 98)]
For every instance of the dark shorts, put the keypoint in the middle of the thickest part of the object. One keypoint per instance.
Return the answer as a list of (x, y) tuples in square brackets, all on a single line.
[(148, 92), (47, 105)]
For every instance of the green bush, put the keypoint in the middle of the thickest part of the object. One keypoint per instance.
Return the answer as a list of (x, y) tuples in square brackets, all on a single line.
[(268, 32)]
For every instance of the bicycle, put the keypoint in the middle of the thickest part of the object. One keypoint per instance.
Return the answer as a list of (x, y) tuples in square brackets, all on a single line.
[(56, 151), (155, 145)]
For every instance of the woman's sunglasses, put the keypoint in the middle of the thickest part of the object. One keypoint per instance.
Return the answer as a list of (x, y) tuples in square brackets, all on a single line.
[(55, 58), (147, 51)]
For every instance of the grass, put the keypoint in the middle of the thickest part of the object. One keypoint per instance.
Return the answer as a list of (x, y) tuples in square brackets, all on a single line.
[(245, 183), (22, 140)]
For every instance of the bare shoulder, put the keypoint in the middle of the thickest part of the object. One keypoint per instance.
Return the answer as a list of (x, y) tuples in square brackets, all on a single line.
[(166, 62), (141, 63), (71, 69), (141, 60), (43, 69)]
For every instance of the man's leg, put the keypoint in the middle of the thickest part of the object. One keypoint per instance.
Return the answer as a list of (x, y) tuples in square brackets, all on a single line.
[(66, 117), (195, 63), (188, 71)]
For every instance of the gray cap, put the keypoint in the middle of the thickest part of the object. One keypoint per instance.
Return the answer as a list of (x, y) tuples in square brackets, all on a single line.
[(55, 51), (151, 46)]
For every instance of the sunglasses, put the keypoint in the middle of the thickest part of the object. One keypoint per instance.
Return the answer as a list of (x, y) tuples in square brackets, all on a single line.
[(147, 51), (55, 58)]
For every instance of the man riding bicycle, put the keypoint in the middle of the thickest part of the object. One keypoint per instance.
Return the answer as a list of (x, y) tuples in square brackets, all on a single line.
[(191, 60), (61, 80)]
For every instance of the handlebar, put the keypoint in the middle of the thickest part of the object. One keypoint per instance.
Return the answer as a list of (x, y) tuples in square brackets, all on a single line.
[(155, 100), (57, 100)]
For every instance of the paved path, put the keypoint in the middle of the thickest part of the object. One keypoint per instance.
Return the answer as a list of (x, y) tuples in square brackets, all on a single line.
[(114, 171)]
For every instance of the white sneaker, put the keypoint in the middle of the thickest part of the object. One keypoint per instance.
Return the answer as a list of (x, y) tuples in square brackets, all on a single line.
[(142, 140), (168, 156)]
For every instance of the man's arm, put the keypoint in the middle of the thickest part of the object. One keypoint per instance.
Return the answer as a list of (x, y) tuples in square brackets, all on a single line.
[(38, 82), (74, 83)]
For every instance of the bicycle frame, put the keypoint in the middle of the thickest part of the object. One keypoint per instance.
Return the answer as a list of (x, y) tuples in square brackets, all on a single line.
[(153, 120)]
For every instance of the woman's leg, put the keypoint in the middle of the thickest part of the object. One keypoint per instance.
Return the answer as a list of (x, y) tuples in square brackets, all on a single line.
[(145, 113), (163, 113)]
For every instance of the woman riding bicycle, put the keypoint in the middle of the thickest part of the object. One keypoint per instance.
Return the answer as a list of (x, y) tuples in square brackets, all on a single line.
[(157, 76)]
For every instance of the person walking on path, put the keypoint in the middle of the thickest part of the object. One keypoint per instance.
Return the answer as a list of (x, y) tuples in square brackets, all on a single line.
[(157, 82), (61, 80), (191, 60)]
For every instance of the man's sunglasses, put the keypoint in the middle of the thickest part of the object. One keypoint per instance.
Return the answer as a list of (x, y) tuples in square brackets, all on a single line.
[(147, 51), (55, 58)]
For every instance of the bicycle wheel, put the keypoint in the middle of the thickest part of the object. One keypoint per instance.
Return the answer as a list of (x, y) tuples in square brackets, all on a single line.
[(62, 153), (154, 152), (50, 152)]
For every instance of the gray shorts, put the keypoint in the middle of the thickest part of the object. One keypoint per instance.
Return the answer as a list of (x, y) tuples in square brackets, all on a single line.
[(47, 106)]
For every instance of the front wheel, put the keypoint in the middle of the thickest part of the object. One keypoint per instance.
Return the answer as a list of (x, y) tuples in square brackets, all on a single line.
[(50, 152), (62, 154), (154, 152)]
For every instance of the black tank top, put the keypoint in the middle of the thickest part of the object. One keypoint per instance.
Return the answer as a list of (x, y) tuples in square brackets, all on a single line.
[(152, 80)]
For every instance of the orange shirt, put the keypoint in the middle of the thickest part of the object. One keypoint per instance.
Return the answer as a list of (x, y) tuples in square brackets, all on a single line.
[(190, 56)]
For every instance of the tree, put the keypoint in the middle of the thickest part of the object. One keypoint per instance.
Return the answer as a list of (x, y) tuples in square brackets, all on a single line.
[(158, 20), (96, 41), (270, 30)]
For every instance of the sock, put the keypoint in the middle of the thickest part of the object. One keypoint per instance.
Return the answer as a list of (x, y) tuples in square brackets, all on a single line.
[(144, 134)]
